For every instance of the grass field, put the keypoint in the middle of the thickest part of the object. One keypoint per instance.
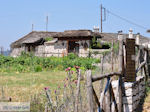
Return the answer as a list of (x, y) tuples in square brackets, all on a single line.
[(20, 86)]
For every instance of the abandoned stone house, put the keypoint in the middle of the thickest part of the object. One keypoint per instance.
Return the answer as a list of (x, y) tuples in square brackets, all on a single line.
[(59, 44)]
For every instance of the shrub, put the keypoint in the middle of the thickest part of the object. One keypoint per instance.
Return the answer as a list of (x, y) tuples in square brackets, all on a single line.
[(29, 63), (48, 39), (38, 68)]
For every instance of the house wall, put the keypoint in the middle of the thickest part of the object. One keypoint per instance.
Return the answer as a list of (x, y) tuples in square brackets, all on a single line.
[(17, 51), (39, 50), (82, 51), (58, 49)]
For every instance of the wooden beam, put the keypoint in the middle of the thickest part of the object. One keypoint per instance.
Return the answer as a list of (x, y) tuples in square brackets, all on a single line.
[(112, 55), (78, 90), (96, 98), (120, 106), (113, 98), (90, 91), (121, 70), (140, 66), (143, 63), (141, 47), (101, 81), (96, 78), (121, 56)]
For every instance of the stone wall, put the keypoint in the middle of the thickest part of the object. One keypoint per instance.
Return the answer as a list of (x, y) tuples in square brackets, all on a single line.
[(17, 51), (58, 49), (134, 93), (39, 50), (83, 52), (98, 53)]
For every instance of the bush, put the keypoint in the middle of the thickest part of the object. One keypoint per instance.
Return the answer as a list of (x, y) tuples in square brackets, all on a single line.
[(38, 68), (48, 39), (30, 63)]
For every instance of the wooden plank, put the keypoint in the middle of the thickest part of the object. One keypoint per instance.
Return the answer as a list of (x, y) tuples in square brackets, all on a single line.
[(101, 81), (113, 98), (96, 98), (121, 69), (142, 63), (120, 106), (108, 98), (112, 55), (148, 63), (99, 77), (78, 90), (90, 91), (140, 66), (121, 56)]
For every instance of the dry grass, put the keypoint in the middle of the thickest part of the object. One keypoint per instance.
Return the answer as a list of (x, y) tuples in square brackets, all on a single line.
[(20, 86), (146, 106)]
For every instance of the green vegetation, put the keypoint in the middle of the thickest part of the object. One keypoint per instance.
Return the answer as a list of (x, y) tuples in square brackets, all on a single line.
[(116, 47), (97, 44), (30, 63), (48, 39)]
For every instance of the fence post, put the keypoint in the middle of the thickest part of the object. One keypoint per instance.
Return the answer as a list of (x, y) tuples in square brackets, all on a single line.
[(90, 91), (101, 81), (2, 50), (130, 60), (78, 90), (121, 69), (112, 54), (148, 62)]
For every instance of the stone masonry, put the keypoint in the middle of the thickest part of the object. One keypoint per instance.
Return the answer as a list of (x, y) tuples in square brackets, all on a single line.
[(133, 93)]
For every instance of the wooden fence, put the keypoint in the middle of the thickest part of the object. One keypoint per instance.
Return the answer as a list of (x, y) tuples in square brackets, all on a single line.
[(132, 59)]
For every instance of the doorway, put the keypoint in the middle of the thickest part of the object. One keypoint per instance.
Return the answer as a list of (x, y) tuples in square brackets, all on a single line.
[(73, 47)]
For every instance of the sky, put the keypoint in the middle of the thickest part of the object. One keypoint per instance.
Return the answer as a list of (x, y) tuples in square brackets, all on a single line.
[(17, 16)]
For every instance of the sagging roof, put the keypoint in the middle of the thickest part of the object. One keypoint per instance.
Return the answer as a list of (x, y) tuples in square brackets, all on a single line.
[(32, 37), (36, 36), (76, 33)]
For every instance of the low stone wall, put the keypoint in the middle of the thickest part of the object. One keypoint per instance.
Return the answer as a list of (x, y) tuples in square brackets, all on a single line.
[(134, 93), (97, 53)]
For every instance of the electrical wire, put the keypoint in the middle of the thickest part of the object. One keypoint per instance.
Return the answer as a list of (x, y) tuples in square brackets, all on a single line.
[(126, 20)]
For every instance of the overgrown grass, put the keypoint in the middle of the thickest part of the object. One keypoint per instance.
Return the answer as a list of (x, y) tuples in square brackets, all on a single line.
[(20, 86)]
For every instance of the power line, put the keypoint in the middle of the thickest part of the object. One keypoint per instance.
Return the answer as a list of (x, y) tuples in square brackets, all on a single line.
[(126, 20)]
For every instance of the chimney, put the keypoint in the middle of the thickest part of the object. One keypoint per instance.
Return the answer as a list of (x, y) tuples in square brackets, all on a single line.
[(130, 33), (120, 35), (96, 29), (138, 39)]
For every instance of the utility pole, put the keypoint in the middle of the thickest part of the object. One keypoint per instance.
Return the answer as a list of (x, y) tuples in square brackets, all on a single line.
[(101, 7), (32, 26), (2, 50), (46, 23), (103, 16)]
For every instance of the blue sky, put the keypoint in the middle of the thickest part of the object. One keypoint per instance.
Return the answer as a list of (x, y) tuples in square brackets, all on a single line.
[(16, 16)]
